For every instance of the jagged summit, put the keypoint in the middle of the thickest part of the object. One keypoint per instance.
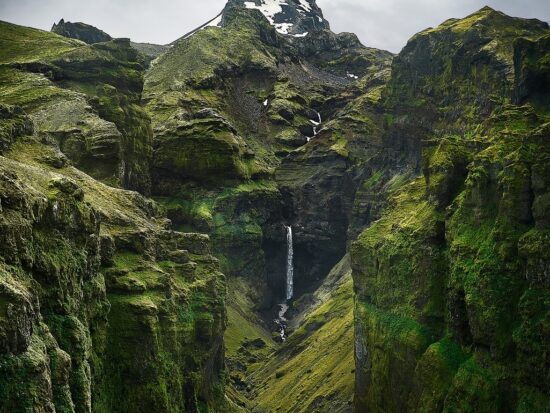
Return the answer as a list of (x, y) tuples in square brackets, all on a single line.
[(494, 20), (81, 31), (295, 18), (291, 17)]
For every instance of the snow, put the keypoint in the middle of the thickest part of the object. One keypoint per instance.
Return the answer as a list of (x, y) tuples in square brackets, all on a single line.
[(270, 8), (283, 27), (305, 5)]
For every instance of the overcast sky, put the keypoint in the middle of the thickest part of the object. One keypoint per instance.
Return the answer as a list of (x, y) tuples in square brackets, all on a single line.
[(386, 24)]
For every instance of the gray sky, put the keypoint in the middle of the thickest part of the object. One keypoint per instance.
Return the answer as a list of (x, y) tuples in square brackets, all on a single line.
[(386, 24)]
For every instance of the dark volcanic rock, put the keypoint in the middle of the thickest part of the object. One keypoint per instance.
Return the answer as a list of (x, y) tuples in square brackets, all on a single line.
[(294, 17), (80, 31)]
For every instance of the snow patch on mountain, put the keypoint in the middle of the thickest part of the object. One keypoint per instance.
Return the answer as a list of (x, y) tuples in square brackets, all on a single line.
[(269, 8), (283, 28), (305, 5), (272, 8), (217, 22)]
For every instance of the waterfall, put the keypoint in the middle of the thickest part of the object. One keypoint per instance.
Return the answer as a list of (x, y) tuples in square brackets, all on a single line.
[(316, 125), (281, 320), (289, 264)]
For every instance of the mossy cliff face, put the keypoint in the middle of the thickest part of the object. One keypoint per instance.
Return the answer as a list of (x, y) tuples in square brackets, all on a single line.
[(228, 104), (85, 97), (451, 281), (103, 307)]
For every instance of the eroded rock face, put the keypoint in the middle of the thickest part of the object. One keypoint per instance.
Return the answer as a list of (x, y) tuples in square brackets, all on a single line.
[(103, 300), (81, 31), (318, 194), (18, 318), (87, 99), (445, 309), (228, 104), (531, 74), (13, 124), (49, 257), (99, 296)]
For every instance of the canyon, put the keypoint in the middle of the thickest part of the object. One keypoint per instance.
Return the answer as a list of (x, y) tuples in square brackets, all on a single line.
[(266, 216)]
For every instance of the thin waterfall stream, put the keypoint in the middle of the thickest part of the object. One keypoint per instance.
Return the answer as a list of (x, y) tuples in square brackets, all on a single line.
[(289, 264), (289, 290), (316, 126)]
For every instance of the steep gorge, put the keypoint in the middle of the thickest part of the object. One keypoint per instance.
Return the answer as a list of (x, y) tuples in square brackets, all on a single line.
[(415, 187)]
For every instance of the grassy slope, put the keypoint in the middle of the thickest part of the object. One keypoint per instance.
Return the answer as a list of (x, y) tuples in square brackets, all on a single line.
[(24, 44), (313, 370)]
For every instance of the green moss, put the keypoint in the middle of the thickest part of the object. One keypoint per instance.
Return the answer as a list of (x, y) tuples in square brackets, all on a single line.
[(373, 180), (127, 260), (22, 386), (24, 44), (340, 147), (314, 367), (434, 374), (473, 389)]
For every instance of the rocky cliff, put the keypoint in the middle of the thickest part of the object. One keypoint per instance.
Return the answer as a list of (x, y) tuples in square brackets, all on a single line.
[(451, 281), (103, 307), (80, 31)]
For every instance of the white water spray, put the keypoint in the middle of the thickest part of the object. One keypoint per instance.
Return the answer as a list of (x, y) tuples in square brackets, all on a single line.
[(289, 264), (316, 125), (281, 320)]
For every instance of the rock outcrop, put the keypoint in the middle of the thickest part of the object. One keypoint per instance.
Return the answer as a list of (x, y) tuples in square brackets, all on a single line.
[(296, 18), (80, 31), (450, 313), (103, 306)]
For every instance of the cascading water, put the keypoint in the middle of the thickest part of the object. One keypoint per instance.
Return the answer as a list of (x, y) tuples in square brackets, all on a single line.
[(316, 126), (289, 290), (289, 264)]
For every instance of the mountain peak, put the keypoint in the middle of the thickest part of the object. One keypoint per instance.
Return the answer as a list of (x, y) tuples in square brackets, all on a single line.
[(486, 9), (80, 31), (290, 17)]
